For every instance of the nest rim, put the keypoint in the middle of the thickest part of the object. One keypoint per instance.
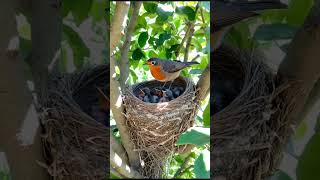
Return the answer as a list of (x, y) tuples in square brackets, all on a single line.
[(187, 88)]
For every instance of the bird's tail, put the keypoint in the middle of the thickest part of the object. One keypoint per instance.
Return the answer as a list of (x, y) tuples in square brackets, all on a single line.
[(260, 5), (191, 63)]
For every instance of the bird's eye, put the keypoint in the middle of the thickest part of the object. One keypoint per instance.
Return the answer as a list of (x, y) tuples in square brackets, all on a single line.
[(153, 62)]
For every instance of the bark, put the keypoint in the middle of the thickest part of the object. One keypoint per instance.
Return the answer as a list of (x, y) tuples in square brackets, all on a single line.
[(46, 38), (121, 167), (117, 111), (203, 84), (124, 61), (116, 99), (301, 68), (121, 11), (15, 102)]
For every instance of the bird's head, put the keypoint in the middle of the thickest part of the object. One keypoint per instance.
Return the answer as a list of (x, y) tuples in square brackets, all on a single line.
[(153, 62)]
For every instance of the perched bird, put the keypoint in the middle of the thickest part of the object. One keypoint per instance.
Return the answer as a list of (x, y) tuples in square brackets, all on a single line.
[(166, 70), (226, 13)]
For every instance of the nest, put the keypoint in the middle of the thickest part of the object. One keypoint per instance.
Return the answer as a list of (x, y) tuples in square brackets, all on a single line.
[(155, 127), (244, 88), (75, 133)]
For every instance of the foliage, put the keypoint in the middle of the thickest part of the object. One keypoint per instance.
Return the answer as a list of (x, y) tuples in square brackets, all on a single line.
[(160, 29)]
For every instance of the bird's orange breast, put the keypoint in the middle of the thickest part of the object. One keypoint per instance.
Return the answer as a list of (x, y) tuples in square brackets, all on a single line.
[(157, 73)]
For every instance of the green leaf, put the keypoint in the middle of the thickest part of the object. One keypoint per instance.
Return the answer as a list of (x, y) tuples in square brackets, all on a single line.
[(298, 11), (79, 49), (269, 32), (168, 54), (142, 23), (133, 76), (142, 40), (152, 54), (309, 161), (280, 175), (177, 22), (163, 37), (163, 15), (174, 47), (97, 11), (206, 116), (188, 11), (80, 9), (25, 47), (150, 7), (196, 135), (301, 130), (137, 54), (202, 165)]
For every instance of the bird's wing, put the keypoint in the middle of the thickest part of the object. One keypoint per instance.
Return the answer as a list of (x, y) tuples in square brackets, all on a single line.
[(228, 13), (173, 66)]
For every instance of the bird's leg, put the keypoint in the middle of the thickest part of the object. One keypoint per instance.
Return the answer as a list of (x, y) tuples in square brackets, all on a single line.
[(171, 83), (163, 85)]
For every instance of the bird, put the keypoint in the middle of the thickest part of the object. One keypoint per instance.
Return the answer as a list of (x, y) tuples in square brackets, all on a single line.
[(226, 13), (167, 70)]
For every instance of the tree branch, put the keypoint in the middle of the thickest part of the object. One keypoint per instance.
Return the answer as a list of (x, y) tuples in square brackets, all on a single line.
[(115, 95), (118, 148), (203, 84), (189, 36), (121, 167), (300, 68), (117, 111), (124, 61), (183, 166), (313, 97), (117, 25)]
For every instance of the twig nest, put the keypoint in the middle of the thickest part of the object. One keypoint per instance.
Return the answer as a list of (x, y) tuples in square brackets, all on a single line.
[(243, 88), (155, 127), (75, 138)]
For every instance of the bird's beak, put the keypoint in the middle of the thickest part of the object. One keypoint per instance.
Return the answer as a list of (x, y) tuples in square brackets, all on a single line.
[(147, 63)]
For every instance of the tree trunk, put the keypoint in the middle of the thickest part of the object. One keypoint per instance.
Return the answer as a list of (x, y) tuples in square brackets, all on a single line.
[(23, 151)]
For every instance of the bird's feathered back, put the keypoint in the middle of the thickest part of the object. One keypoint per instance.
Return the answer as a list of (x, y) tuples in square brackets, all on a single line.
[(226, 13)]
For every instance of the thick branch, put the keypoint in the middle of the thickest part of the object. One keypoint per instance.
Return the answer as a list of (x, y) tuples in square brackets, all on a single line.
[(190, 34), (117, 111), (46, 38), (204, 84), (19, 145), (189, 37), (313, 97), (302, 61), (117, 25), (121, 167), (301, 68), (124, 61), (116, 100), (118, 148)]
